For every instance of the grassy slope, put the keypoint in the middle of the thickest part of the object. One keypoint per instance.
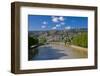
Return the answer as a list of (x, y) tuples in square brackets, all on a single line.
[(81, 40)]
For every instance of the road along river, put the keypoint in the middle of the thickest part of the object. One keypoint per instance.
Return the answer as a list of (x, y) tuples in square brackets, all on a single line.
[(53, 51)]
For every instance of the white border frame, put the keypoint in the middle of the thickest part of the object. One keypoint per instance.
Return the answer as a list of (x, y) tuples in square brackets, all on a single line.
[(25, 64)]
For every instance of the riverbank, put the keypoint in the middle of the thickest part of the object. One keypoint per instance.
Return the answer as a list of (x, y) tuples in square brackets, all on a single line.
[(78, 51), (72, 46), (79, 48)]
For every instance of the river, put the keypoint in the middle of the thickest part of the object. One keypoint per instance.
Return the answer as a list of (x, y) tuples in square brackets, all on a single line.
[(53, 51)]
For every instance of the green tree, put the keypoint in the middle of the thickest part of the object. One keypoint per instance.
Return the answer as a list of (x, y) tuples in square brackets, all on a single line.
[(32, 41), (67, 40)]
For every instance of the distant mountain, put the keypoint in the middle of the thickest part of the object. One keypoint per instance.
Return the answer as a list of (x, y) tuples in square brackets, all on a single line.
[(56, 32)]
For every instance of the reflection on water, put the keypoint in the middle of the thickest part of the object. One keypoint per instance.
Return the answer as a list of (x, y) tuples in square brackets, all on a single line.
[(48, 52), (32, 53)]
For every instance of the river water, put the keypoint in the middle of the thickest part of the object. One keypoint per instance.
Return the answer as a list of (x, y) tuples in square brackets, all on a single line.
[(52, 51)]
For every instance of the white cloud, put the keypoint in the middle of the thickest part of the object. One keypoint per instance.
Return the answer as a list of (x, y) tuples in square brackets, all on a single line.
[(44, 22), (55, 19), (61, 18), (54, 28), (68, 28), (43, 26), (62, 23), (58, 25)]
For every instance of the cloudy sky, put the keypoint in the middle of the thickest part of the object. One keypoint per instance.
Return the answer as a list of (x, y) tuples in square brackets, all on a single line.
[(45, 22)]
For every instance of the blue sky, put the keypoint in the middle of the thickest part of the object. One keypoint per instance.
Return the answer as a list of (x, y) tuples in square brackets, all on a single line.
[(49, 22)]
